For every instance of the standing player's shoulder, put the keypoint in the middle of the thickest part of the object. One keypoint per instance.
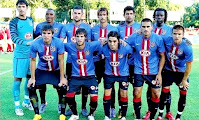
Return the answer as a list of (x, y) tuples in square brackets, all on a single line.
[(186, 42)]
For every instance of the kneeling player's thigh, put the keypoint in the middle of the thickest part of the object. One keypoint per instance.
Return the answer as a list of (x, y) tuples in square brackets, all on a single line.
[(21, 67), (138, 80), (108, 82)]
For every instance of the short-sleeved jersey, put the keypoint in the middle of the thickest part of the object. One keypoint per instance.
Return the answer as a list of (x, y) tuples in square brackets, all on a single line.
[(82, 60), (165, 30), (116, 61), (21, 32), (70, 29), (99, 32), (147, 52), (69, 32), (125, 31), (57, 28), (177, 55), (48, 54)]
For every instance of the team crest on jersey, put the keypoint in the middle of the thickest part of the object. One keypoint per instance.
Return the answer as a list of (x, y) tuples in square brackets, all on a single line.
[(152, 44), (52, 48), (173, 56), (93, 88), (145, 53), (114, 64), (120, 55), (135, 30), (55, 30), (101, 39), (87, 52), (28, 36), (125, 84), (180, 52), (163, 32), (82, 61), (48, 57), (126, 37), (73, 40)]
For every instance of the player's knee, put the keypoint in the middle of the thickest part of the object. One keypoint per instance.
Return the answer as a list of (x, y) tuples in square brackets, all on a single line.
[(70, 95), (137, 93), (94, 98)]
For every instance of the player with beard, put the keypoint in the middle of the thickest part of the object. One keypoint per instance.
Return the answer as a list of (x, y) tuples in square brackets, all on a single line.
[(69, 32), (179, 57), (50, 68), (99, 33), (83, 71), (126, 29), (160, 28), (21, 29), (50, 19), (149, 61)]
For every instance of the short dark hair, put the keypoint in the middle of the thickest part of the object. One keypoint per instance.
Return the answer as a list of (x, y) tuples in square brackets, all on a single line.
[(49, 9), (78, 7), (178, 27), (22, 1), (146, 20), (161, 9), (102, 9), (81, 31), (127, 8), (47, 27), (114, 34)]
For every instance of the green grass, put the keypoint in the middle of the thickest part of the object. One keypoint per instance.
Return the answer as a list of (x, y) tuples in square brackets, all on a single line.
[(191, 111)]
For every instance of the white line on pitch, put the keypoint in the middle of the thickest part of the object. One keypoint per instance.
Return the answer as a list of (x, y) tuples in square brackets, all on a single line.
[(6, 72)]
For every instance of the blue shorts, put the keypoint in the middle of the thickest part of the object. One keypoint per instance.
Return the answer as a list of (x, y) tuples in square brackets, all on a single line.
[(109, 81), (89, 82), (140, 79), (47, 77), (21, 67), (169, 77)]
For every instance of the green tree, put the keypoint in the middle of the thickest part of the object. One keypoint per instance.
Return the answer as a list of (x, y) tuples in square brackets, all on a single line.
[(191, 16)]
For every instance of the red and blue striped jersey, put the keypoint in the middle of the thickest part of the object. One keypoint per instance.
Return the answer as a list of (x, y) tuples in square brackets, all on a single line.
[(125, 31), (147, 52), (116, 61), (48, 54), (82, 60), (177, 55)]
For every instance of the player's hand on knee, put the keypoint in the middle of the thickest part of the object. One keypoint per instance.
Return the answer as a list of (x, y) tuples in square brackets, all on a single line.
[(63, 82), (31, 82), (185, 84), (158, 79)]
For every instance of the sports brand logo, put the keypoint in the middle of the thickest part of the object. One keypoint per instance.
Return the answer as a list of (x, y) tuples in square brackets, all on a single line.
[(172, 56), (52, 48), (48, 57), (30, 23), (82, 61), (145, 53), (28, 36), (114, 64)]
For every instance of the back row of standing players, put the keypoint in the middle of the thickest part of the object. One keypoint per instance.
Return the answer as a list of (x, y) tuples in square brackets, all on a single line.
[(146, 73)]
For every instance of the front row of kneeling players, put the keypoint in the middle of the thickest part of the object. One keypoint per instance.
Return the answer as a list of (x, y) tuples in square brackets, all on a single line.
[(149, 52)]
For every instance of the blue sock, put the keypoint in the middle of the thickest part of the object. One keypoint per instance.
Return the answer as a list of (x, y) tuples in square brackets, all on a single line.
[(26, 93), (16, 92)]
